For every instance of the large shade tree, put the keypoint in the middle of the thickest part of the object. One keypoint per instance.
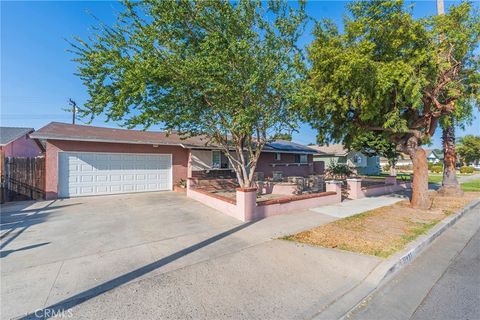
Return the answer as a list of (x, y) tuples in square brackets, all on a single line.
[(391, 73), (225, 70)]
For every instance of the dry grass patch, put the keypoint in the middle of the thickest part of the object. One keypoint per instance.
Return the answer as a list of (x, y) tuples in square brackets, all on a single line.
[(383, 231)]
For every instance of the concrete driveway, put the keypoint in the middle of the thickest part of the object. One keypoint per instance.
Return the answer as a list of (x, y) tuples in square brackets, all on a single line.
[(128, 249)]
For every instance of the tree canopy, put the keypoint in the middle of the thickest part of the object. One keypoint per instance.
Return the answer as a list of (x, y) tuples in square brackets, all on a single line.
[(225, 70), (375, 144), (389, 72), (469, 148)]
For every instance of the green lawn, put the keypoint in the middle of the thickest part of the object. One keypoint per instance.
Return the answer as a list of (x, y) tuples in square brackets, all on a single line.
[(471, 185), (435, 178)]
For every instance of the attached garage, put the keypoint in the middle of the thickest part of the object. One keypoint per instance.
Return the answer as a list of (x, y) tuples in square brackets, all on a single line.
[(87, 161), (100, 173)]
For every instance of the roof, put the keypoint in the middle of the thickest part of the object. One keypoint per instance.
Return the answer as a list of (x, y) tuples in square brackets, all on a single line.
[(437, 153), (10, 134), (287, 146), (331, 150), (75, 132)]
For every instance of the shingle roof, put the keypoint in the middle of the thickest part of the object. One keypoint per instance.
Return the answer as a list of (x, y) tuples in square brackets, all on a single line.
[(75, 132), (332, 149), (64, 131), (9, 134)]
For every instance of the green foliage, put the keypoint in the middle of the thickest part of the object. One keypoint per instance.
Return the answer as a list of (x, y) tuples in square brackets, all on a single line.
[(386, 167), (282, 136), (338, 170), (375, 144), (391, 72), (436, 169), (468, 148), (466, 170), (225, 70)]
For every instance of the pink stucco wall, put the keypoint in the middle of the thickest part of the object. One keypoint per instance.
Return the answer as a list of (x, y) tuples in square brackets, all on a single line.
[(356, 191), (267, 159), (22, 147), (223, 206), (245, 207), (179, 158)]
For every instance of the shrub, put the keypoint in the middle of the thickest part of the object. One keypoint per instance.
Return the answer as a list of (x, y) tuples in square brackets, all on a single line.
[(386, 167), (338, 170), (436, 169), (466, 169)]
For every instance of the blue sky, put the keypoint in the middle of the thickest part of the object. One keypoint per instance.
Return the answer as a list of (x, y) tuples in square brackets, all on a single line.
[(37, 74)]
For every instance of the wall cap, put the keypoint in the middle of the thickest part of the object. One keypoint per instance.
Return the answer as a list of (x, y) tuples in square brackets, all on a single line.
[(334, 181), (253, 189)]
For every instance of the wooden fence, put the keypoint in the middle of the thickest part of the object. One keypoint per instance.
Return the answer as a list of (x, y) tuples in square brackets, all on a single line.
[(23, 179)]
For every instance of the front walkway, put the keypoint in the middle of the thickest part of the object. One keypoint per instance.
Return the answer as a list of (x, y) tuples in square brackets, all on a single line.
[(349, 208)]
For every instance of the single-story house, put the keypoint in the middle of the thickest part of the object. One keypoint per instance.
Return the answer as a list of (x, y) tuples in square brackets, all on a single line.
[(362, 164), (434, 155), (15, 142), (86, 160)]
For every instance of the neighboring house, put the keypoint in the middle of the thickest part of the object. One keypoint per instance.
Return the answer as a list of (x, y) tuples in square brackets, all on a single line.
[(364, 165), (15, 142), (403, 161), (86, 160), (434, 155)]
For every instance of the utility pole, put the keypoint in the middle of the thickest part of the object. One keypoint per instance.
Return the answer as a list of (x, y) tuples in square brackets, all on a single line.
[(74, 109), (440, 7)]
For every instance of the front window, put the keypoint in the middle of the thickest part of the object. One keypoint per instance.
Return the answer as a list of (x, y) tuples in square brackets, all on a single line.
[(301, 158), (216, 155), (278, 157), (219, 160), (357, 159)]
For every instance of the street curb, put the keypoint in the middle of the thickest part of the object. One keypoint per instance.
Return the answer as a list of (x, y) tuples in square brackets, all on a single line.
[(345, 304)]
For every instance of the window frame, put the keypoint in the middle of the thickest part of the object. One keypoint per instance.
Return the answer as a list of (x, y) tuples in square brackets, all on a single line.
[(216, 166)]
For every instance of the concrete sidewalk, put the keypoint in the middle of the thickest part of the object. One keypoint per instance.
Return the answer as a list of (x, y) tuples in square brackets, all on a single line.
[(174, 258), (273, 280), (76, 248), (349, 208)]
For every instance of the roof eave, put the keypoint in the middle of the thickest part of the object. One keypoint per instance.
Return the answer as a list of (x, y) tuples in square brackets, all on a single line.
[(46, 137)]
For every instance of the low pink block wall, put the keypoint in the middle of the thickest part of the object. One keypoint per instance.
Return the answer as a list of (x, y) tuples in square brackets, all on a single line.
[(246, 208), (387, 189), (215, 203), (391, 185), (263, 211)]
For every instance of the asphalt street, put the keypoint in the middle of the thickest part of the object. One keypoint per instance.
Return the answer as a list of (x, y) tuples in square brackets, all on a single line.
[(442, 283)]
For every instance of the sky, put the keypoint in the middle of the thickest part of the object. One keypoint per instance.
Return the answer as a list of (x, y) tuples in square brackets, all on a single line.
[(38, 74)]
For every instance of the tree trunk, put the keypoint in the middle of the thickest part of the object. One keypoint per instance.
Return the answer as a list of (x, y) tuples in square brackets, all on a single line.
[(420, 198), (393, 169), (450, 185)]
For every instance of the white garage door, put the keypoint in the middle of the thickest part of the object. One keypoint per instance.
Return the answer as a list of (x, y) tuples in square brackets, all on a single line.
[(85, 173)]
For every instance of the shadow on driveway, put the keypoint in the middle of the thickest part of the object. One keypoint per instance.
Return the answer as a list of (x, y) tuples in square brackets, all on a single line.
[(62, 306)]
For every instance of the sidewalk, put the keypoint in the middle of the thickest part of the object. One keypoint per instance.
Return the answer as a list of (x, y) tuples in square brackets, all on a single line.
[(349, 208)]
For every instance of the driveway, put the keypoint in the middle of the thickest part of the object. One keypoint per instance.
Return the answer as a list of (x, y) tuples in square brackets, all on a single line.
[(168, 256)]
